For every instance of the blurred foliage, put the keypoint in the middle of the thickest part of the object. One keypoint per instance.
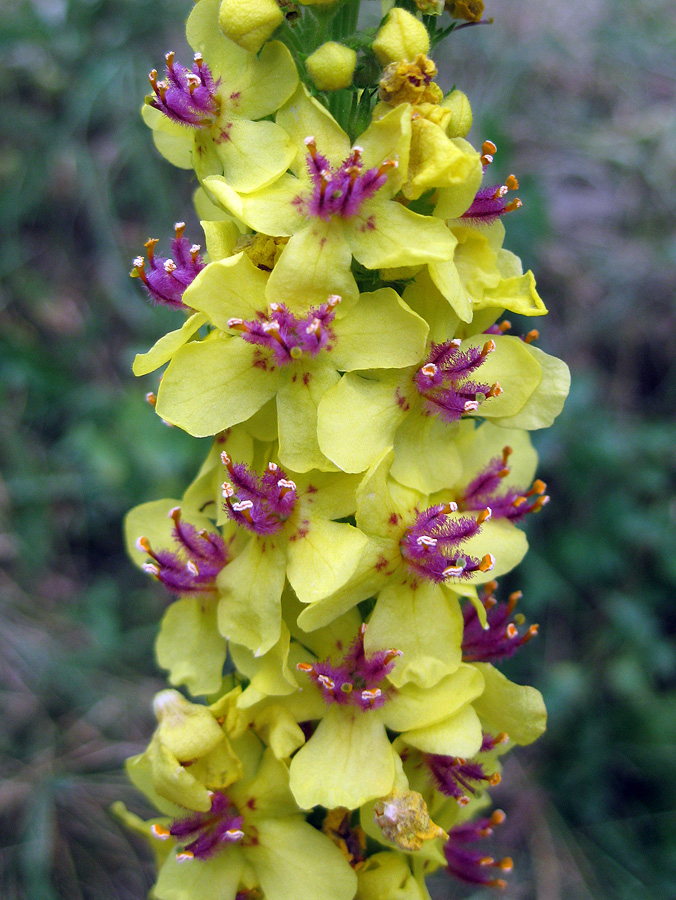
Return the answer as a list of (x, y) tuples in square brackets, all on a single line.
[(581, 99)]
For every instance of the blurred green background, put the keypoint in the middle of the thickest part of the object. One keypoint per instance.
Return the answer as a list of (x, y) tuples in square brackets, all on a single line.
[(580, 98)]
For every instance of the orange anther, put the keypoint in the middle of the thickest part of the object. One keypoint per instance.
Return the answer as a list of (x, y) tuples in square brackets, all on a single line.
[(513, 204), (532, 335), (489, 147), (487, 563), (511, 182)]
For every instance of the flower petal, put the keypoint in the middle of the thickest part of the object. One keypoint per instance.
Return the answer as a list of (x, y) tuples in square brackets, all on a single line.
[(212, 384), (249, 611), (281, 861), (422, 623), (385, 234), (323, 558), (347, 761), (357, 419), (515, 709), (380, 332), (190, 646), (162, 351), (253, 154)]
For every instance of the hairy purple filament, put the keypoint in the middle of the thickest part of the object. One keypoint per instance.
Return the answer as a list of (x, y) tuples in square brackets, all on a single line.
[(341, 191), (356, 679), (167, 278), (286, 336), (187, 96), (261, 504), (192, 570), (512, 504), (459, 778), (490, 203), (431, 545), (443, 380), (213, 830), (471, 865), (502, 638)]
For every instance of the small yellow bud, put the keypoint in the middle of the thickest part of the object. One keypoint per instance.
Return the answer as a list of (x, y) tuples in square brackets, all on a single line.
[(187, 729), (461, 114), (331, 66), (401, 37), (249, 23)]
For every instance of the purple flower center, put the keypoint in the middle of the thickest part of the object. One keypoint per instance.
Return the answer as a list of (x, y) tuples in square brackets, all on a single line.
[(187, 96), (459, 778), (491, 202), (192, 570), (443, 382), (473, 866), (356, 679), (502, 638), (512, 504), (287, 337), (261, 504), (341, 191), (431, 546), (167, 278), (211, 831)]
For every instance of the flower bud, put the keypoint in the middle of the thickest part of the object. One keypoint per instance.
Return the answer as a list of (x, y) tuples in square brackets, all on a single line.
[(331, 66), (401, 37), (249, 23), (460, 120)]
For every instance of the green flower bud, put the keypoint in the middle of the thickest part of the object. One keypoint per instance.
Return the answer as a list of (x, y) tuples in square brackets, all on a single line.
[(249, 23), (331, 66), (401, 37)]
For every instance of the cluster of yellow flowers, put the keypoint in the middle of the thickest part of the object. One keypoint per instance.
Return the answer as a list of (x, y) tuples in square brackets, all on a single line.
[(333, 562)]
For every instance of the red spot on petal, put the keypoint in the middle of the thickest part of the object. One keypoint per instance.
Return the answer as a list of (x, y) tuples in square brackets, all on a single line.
[(381, 564), (394, 518), (306, 378)]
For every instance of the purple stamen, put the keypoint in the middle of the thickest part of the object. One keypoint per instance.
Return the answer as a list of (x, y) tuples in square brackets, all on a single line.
[(288, 337), (221, 826), (167, 278), (341, 191), (192, 570), (187, 96), (512, 504), (443, 380), (431, 545), (470, 865), (260, 504), (356, 679), (455, 777), (502, 638), (490, 203)]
